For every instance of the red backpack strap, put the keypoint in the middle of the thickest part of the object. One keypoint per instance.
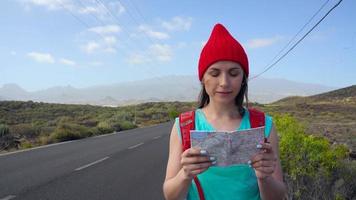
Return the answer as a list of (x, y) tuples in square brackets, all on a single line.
[(187, 123), (257, 118), (199, 188)]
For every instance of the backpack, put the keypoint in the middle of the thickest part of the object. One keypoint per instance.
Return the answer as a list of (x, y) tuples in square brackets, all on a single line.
[(187, 123)]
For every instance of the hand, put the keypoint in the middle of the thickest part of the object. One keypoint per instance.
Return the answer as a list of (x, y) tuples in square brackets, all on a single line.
[(195, 161), (264, 162)]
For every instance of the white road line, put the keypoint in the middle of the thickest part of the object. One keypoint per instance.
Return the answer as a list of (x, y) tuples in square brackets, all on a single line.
[(8, 197), (156, 137), (90, 164), (134, 146), (40, 147)]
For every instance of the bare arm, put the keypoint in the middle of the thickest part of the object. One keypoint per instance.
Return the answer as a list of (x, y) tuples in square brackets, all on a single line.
[(182, 167), (269, 171)]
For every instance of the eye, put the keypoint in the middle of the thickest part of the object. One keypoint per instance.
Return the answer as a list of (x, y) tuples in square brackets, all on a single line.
[(234, 72), (214, 73)]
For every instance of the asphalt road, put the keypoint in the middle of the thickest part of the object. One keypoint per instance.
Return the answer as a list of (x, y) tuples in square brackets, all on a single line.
[(124, 165)]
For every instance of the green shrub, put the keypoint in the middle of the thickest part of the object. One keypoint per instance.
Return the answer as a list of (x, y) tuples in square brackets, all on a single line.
[(173, 113), (26, 144), (126, 125), (105, 127), (4, 130), (69, 131), (311, 165)]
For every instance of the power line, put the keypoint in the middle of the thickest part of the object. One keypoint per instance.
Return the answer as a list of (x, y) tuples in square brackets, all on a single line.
[(300, 30), (138, 11), (84, 23), (135, 21), (102, 36), (84, 6), (145, 53), (273, 64)]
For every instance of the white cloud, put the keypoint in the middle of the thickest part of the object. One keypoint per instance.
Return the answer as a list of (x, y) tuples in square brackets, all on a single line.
[(117, 8), (161, 52), (153, 34), (91, 46), (110, 50), (95, 63), (13, 53), (49, 4), (91, 7), (91, 10), (107, 44), (178, 24), (261, 42), (109, 29), (41, 57), (137, 58), (110, 40), (156, 52), (67, 62)]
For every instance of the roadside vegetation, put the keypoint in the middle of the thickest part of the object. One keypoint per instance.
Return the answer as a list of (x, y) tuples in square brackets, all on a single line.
[(317, 134)]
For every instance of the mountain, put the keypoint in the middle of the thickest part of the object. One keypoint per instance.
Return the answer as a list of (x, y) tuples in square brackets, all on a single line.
[(13, 92), (169, 88), (345, 95), (267, 90)]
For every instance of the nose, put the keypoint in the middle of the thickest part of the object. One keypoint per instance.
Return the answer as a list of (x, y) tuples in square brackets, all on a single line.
[(223, 81)]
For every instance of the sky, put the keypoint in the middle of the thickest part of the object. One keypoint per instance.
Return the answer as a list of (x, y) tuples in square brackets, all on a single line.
[(83, 43)]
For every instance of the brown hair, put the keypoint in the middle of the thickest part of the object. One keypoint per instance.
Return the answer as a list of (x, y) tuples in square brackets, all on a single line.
[(239, 99)]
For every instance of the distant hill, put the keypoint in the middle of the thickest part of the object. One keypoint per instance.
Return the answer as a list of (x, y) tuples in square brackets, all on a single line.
[(330, 114), (345, 95), (169, 88)]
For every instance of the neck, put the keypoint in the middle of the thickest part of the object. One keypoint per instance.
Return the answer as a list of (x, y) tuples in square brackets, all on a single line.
[(218, 110)]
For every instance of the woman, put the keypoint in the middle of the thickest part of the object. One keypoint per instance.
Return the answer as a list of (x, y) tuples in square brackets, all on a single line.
[(223, 72)]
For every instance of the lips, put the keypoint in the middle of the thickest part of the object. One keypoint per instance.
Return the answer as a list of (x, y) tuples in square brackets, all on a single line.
[(223, 92)]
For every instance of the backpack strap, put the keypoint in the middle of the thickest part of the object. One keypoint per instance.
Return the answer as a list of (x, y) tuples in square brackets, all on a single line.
[(187, 123), (257, 119)]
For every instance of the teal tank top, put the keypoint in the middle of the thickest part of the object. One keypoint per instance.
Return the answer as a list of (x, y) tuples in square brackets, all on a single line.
[(233, 182)]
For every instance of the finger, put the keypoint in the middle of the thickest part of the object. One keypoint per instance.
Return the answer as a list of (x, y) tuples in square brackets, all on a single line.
[(199, 171), (267, 147), (263, 156), (199, 166), (192, 170), (194, 152), (257, 157), (196, 159), (263, 163), (265, 170)]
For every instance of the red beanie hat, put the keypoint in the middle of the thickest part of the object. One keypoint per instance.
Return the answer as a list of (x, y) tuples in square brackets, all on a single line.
[(221, 46)]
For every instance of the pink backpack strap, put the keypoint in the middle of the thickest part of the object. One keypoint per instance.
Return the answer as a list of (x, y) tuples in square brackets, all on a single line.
[(187, 123)]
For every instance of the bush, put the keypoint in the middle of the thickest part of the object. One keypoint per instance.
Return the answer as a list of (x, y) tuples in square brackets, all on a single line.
[(126, 125), (69, 131), (4, 130), (26, 144), (173, 113), (105, 127), (310, 164)]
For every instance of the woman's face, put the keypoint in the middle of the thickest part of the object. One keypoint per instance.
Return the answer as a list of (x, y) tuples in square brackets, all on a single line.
[(222, 81)]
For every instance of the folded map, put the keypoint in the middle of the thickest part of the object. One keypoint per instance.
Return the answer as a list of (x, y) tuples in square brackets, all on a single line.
[(229, 148)]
